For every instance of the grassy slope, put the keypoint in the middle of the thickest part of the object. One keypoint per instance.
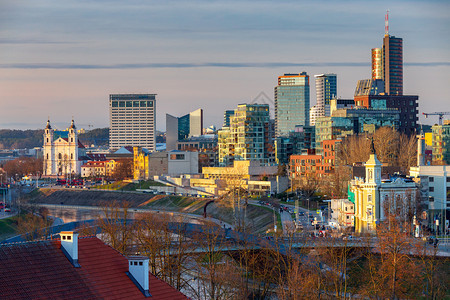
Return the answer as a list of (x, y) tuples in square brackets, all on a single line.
[(8, 227)]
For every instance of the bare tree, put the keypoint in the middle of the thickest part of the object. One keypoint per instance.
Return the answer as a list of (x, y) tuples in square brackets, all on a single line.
[(117, 229)]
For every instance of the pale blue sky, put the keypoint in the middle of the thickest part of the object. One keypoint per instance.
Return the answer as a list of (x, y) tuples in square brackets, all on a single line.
[(63, 58)]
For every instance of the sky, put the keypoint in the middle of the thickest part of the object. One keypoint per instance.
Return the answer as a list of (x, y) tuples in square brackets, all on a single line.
[(62, 59)]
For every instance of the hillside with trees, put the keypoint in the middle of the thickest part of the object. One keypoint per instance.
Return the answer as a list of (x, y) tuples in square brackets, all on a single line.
[(21, 139)]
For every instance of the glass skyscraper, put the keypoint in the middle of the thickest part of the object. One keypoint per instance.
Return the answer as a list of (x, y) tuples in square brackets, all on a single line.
[(291, 103)]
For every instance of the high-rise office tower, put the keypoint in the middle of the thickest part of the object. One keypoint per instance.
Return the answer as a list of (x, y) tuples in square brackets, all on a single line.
[(132, 120), (326, 89), (387, 62), (178, 129), (291, 102)]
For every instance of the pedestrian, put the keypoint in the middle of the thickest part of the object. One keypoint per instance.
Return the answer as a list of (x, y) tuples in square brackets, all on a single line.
[(436, 242)]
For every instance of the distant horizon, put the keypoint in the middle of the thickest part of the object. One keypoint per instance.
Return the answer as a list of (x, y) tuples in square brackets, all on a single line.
[(64, 59)]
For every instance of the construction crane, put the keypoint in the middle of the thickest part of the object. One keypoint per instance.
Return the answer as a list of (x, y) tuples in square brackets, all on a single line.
[(440, 114)]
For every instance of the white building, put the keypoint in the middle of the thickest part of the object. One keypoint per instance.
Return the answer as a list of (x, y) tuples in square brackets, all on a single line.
[(342, 213), (182, 162), (132, 120), (63, 153), (434, 184)]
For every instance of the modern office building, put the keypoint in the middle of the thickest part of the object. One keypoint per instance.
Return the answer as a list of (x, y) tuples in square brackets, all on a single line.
[(367, 87), (297, 142), (326, 89), (178, 129), (387, 63), (247, 137), (345, 122), (132, 120), (292, 102), (406, 105)]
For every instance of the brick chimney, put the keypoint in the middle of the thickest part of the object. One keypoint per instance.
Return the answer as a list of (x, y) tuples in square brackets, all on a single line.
[(69, 246), (138, 273)]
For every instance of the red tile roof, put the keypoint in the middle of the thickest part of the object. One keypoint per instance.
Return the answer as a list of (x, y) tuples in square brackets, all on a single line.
[(41, 270)]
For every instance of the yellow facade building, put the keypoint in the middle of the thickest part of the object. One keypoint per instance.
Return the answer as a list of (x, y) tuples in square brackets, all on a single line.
[(375, 198)]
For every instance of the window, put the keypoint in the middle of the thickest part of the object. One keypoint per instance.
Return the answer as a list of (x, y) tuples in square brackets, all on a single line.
[(59, 156), (47, 155), (431, 179), (431, 199), (431, 189), (448, 179)]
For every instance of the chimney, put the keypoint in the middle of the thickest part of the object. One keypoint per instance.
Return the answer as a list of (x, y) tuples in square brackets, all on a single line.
[(69, 246), (138, 273), (420, 149)]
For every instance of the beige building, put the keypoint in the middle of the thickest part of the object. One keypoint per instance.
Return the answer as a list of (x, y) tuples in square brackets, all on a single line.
[(147, 164), (375, 198)]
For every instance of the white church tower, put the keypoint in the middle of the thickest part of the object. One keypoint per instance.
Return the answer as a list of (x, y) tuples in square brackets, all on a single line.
[(61, 152)]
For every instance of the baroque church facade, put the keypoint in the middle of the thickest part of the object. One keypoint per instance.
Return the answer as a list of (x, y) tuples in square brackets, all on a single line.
[(63, 153)]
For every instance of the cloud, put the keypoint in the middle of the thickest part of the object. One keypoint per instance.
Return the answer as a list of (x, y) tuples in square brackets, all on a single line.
[(205, 65)]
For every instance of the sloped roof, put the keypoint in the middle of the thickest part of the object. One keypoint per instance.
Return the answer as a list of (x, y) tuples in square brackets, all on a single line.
[(41, 270)]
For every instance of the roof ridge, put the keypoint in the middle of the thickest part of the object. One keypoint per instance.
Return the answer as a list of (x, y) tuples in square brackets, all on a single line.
[(27, 242)]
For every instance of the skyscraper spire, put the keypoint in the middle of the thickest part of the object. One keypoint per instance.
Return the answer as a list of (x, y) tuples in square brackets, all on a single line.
[(386, 23)]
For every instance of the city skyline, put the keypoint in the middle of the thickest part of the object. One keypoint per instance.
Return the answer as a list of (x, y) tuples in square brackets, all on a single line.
[(64, 59)]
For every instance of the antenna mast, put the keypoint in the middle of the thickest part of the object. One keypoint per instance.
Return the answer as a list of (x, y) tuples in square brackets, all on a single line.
[(386, 23)]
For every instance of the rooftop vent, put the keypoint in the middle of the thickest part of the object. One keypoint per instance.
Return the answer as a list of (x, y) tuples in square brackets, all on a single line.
[(138, 273), (69, 246)]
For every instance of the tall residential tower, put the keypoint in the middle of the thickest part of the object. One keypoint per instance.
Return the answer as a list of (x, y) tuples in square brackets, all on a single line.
[(291, 103)]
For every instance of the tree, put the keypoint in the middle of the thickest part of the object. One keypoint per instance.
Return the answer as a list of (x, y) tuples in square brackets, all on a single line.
[(386, 140), (407, 152), (23, 166), (117, 229), (124, 169)]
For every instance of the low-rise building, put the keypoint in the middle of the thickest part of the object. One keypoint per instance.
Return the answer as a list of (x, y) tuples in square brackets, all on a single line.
[(77, 268), (375, 198), (148, 164), (94, 169), (342, 213), (182, 162)]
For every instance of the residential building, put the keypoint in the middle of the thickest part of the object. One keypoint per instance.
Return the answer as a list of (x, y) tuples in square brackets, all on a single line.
[(441, 143), (132, 120), (226, 118), (77, 268), (62, 151), (326, 89), (248, 137), (372, 195), (181, 128), (342, 213), (406, 105), (292, 102), (93, 169), (305, 166)]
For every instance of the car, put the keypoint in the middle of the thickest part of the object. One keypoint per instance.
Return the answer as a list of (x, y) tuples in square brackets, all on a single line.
[(7, 209)]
